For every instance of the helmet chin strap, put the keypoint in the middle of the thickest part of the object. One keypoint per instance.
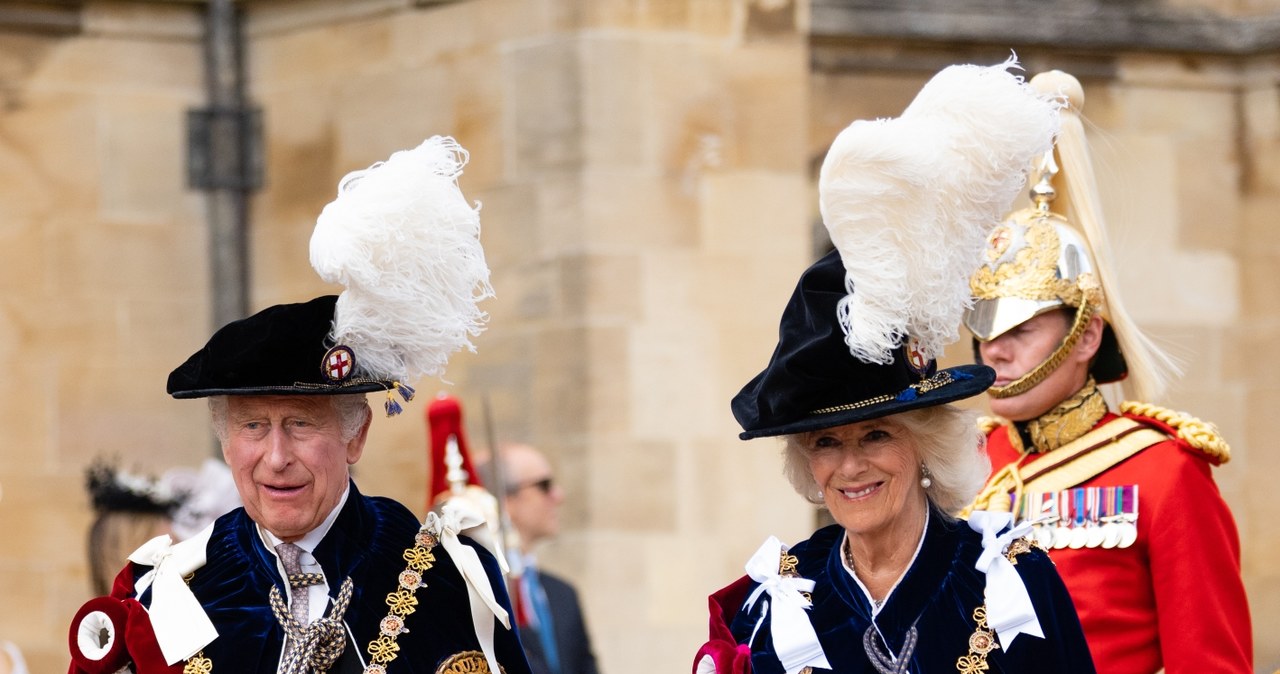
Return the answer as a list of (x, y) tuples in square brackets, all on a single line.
[(1038, 373)]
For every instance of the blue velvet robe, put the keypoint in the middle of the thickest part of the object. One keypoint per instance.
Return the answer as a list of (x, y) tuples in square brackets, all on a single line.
[(942, 588), (365, 543)]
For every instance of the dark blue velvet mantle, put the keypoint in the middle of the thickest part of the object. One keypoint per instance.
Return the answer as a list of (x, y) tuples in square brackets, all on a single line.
[(942, 588), (366, 543)]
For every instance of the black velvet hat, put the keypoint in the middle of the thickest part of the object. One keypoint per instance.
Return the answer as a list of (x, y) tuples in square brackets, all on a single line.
[(281, 350), (813, 382)]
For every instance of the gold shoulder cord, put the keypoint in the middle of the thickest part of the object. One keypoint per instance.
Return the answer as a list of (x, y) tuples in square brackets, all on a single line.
[(1201, 435)]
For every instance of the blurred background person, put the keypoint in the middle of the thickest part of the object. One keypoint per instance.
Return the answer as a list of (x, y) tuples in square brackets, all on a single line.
[(131, 509), (552, 627)]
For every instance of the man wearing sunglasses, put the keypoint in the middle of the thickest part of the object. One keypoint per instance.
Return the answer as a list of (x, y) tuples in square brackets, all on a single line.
[(552, 628)]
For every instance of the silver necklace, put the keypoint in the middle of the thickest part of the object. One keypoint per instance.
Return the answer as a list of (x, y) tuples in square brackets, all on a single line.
[(848, 560)]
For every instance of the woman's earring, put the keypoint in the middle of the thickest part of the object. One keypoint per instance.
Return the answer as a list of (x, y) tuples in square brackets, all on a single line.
[(926, 478), (818, 495)]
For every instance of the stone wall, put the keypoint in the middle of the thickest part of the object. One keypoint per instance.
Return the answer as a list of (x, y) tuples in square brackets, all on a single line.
[(102, 288), (645, 170)]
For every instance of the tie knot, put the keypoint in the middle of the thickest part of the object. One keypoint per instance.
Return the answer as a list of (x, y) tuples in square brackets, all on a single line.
[(289, 556)]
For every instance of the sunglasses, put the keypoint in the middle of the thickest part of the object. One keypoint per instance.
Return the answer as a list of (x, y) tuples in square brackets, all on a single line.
[(544, 485)]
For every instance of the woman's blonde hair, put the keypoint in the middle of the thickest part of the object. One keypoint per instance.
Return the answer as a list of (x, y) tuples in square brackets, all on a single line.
[(948, 442)]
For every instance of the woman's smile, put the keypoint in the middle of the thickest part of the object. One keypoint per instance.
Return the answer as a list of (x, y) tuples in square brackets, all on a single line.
[(858, 493)]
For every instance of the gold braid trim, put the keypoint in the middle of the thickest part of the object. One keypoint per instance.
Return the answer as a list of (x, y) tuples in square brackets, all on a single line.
[(1202, 435), (1069, 420)]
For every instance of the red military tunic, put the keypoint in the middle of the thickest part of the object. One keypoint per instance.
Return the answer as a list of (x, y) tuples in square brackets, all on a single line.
[(1174, 598)]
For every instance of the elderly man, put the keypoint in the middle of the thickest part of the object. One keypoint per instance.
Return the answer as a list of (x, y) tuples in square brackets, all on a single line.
[(551, 623), (311, 575)]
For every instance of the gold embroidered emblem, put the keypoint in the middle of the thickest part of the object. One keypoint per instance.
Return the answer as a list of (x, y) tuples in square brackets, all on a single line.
[(384, 649), (981, 643), (1020, 546), (1032, 273), (787, 565), (466, 662), (419, 558), (998, 242), (198, 664), (402, 602)]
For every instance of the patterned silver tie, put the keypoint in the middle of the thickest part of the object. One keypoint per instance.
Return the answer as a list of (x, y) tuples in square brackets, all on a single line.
[(300, 606)]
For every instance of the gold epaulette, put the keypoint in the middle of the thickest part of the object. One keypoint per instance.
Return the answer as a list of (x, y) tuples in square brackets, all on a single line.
[(1201, 435), (988, 423)]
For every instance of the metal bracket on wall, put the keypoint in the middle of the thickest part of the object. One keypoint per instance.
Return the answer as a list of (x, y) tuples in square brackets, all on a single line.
[(224, 148)]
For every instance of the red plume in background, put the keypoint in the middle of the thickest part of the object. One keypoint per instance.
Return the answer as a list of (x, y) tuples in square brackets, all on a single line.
[(444, 421)]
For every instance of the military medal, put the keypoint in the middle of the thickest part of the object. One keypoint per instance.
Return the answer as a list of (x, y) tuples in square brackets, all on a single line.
[(1129, 508), (1128, 534), (1062, 532), (1094, 529), (1110, 535), (1078, 535), (1042, 511), (1110, 510)]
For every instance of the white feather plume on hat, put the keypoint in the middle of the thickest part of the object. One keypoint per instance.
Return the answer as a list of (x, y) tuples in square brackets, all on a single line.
[(404, 241), (909, 202)]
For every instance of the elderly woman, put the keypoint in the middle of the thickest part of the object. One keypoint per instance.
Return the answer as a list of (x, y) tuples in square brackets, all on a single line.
[(897, 584)]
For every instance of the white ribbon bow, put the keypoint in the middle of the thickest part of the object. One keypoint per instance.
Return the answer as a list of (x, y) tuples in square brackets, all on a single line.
[(1009, 609), (455, 518), (179, 622), (794, 640)]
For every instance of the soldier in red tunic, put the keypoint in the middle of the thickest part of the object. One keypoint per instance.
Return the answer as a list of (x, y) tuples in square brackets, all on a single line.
[(1124, 498)]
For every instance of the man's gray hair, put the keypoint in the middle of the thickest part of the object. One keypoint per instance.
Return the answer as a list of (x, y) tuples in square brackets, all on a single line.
[(948, 442), (352, 408)]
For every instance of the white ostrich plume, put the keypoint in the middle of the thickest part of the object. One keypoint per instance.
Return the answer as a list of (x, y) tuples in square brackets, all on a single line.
[(404, 241), (909, 202)]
